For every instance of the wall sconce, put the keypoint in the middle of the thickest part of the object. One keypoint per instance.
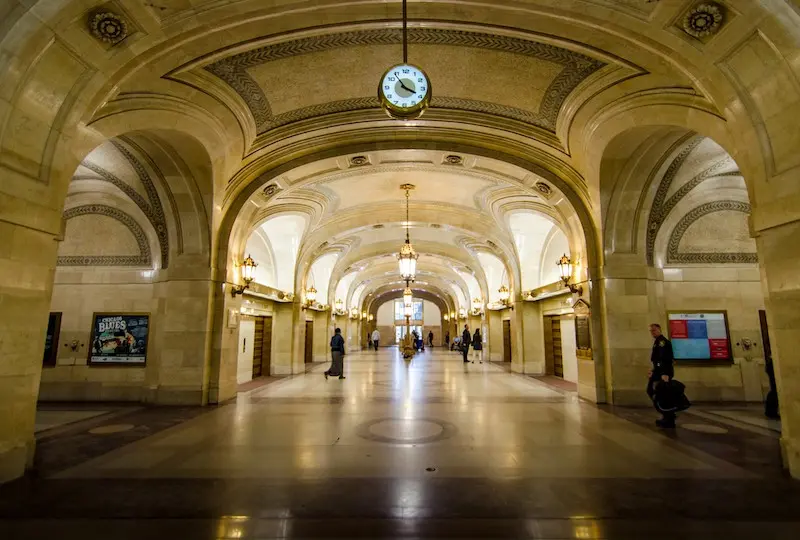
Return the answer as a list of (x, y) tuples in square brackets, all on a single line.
[(354, 313), (363, 315), (477, 306), (505, 295), (311, 297), (446, 317), (339, 307), (248, 268), (462, 313), (371, 317), (565, 269), (452, 315)]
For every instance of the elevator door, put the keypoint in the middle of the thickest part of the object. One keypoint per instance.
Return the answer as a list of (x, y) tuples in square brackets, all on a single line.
[(558, 359), (506, 341), (262, 347), (309, 350), (258, 347)]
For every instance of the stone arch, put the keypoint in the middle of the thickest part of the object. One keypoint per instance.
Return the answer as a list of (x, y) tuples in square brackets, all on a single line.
[(144, 257), (675, 256)]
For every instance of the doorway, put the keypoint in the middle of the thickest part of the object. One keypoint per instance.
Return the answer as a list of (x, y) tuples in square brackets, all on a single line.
[(554, 357), (309, 349), (262, 347), (507, 341)]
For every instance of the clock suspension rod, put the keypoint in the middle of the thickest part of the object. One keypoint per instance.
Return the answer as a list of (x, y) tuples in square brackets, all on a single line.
[(405, 32)]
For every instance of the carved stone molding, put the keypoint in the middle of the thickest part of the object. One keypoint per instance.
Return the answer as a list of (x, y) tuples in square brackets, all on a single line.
[(108, 27), (662, 206), (234, 71), (544, 189), (674, 256), (703, 20), (143, 259), (359, 161), (269, 191)]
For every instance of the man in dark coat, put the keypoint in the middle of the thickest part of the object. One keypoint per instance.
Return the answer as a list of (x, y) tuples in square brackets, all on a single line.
[(662, 372), (466, 338)]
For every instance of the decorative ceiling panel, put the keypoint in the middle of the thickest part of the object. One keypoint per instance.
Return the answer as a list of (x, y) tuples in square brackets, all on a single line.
[(299, 79)]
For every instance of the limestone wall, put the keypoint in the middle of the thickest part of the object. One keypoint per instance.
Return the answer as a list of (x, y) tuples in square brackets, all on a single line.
[(738, 291), (72, 379)]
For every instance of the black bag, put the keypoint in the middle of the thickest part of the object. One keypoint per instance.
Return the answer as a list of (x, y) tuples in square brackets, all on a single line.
[(670, 396)]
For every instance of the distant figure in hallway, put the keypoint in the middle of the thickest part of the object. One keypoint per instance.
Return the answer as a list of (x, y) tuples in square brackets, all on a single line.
[(376, 337), (466, 338), (477, 346), (430, 339), (447, 340), (662, 372), (337, 356)]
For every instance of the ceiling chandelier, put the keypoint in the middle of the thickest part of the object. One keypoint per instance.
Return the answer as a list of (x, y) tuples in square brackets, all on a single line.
[(408, 302), (407, 256)]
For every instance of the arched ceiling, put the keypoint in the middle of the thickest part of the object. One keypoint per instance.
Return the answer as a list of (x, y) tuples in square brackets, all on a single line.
[(261, 87), (459, 220)]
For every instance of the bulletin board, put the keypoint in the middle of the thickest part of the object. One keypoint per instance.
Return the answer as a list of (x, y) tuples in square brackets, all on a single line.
[(700, 336)]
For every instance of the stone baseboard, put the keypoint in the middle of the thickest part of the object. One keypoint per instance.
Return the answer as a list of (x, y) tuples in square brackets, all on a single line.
[(15, 460)]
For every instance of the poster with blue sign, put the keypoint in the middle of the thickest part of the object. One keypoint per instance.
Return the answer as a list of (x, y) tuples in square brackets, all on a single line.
[(119, 338), (700, 336)]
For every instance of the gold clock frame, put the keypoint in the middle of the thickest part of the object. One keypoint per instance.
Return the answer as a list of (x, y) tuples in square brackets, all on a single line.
[(405, 113)]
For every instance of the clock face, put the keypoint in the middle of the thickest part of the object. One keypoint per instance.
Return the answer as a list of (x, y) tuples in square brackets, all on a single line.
[(405, 90)]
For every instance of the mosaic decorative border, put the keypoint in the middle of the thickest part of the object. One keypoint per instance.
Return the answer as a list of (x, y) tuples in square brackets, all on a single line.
[(151, 207), (673, 256), (233, 70), (662, 206), (143, 259)]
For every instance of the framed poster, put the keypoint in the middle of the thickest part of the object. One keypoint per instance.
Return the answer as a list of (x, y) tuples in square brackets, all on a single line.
[(119, 339), (51, 340), (700, 335)]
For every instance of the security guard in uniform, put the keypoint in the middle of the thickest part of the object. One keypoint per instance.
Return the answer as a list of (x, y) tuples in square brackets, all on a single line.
[(663, 370)]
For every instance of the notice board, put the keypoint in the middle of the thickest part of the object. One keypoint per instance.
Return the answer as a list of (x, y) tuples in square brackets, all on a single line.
[(700, 336)]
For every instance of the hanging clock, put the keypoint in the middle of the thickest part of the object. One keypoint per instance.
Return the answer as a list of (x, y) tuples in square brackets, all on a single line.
[(404, 91)]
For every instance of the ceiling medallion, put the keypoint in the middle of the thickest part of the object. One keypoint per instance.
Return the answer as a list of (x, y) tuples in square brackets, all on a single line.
[(704, 20), (453, 159), (404, 89), (108, 27), (358, 161), (543, 188)]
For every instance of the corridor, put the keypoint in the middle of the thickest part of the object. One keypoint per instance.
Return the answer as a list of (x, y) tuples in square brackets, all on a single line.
[(422, 449)]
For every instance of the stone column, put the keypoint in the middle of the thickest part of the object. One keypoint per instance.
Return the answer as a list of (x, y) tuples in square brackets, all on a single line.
[(282, 331), (322, 335), (778, 255), (181, 322), (634, 299), (27, 263), (527, 320), (495, 322), (298, 338), (221, 381)]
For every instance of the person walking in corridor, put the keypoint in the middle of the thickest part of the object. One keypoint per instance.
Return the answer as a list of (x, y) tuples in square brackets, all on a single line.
[(376, 338), (466, 338), (430, 339), (337, 356), (477, 346), (662, 372), (447, 340)]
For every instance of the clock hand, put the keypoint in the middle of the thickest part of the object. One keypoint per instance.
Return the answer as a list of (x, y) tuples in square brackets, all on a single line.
[(406, 88)]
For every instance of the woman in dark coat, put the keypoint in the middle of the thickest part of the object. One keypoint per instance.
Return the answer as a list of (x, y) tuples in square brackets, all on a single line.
[(477, 346), (337, 356)]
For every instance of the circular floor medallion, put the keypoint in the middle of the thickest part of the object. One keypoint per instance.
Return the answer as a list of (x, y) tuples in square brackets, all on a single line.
[(406, 430), (113, 428), (705, 428)]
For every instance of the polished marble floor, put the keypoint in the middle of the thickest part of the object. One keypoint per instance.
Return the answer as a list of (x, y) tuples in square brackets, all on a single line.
[(431, 448)]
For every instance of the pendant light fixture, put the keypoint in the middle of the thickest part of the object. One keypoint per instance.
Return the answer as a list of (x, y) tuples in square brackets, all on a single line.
[(407, 257)]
